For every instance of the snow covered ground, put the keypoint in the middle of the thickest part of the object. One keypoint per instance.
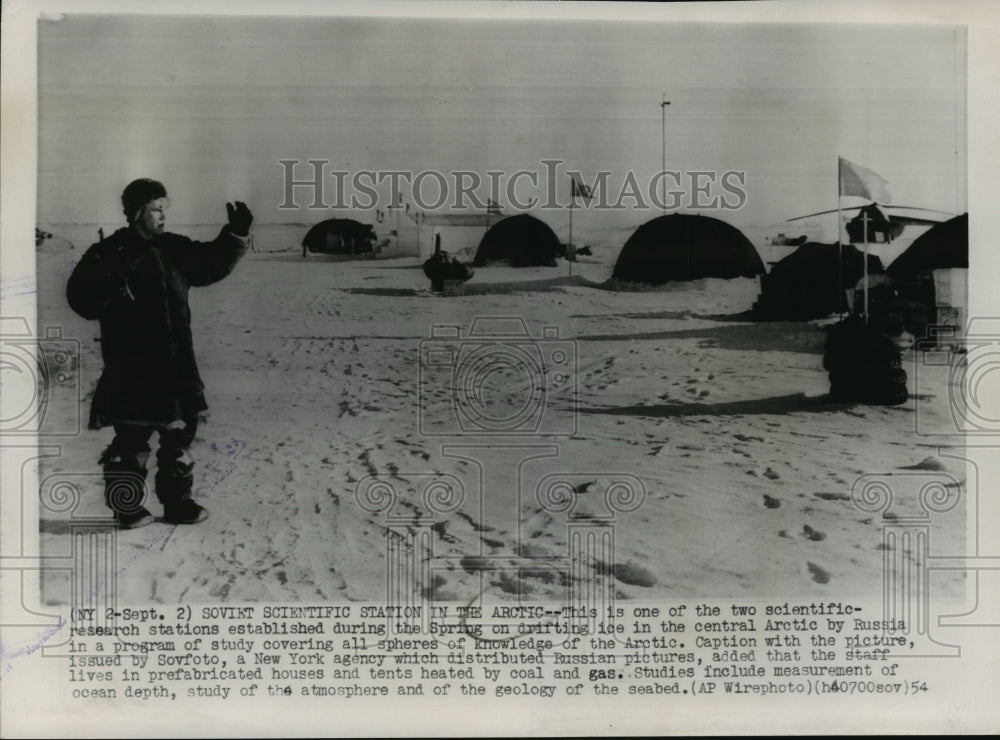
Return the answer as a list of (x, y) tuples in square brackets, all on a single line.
[(312, 377)]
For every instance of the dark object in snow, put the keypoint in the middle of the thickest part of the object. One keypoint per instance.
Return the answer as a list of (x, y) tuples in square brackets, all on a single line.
[(521, 241), (686, 247), (864, 363), (339, 236), (442, 267), (804, 285)]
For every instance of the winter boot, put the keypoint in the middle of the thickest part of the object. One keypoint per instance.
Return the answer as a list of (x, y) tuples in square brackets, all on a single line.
[(185, 511), (174, 480), (125, 487)]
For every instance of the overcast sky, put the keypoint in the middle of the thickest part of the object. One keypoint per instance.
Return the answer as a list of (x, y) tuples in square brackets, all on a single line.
[(209, 106)]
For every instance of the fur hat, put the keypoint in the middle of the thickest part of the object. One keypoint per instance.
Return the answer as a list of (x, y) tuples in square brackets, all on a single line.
[(138, 193)]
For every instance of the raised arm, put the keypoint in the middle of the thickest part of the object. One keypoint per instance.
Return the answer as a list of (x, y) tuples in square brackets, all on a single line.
[(204, 263)]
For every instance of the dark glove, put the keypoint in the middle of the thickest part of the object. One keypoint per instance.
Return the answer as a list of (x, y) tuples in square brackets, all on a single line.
[(240, 218)]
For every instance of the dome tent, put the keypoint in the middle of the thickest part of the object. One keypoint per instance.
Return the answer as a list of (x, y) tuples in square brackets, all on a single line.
[(686, 247), (933, 275), (522, 241), (942, 246), (339, 236), (805, 284)]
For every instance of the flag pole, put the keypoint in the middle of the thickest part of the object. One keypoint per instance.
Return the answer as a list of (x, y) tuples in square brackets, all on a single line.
[(663, 135), (569, 247), (840, 251), (864, 220)]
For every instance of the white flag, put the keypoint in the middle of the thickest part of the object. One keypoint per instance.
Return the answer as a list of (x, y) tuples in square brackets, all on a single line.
[(861, 181)]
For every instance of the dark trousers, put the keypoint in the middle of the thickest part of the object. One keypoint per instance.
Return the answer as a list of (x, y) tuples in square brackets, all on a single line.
[(125, 461)]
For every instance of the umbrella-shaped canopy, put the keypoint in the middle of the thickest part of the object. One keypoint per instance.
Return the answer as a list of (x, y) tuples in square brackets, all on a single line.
[(941, 246), (807, 285), (339, 235), (686, 247), (522, 241)]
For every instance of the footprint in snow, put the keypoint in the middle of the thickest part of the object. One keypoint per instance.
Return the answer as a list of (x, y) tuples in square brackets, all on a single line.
[(629, 573), (820, 575), (928, 463), (813, 534)]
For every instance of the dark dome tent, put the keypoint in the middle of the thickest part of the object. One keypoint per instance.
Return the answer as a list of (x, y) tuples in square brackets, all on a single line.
[(686, 247), (805, 284), (931, 277), (339, 236), (942, 246), (521, 241)]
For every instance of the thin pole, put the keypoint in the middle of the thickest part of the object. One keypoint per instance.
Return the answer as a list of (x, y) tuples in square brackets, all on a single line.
[(569, 247), (958, 198), (840, 253), (663, 131), (864, 220)]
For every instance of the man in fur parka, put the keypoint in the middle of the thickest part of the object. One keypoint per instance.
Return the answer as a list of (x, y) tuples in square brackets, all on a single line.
[(136, 283)]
